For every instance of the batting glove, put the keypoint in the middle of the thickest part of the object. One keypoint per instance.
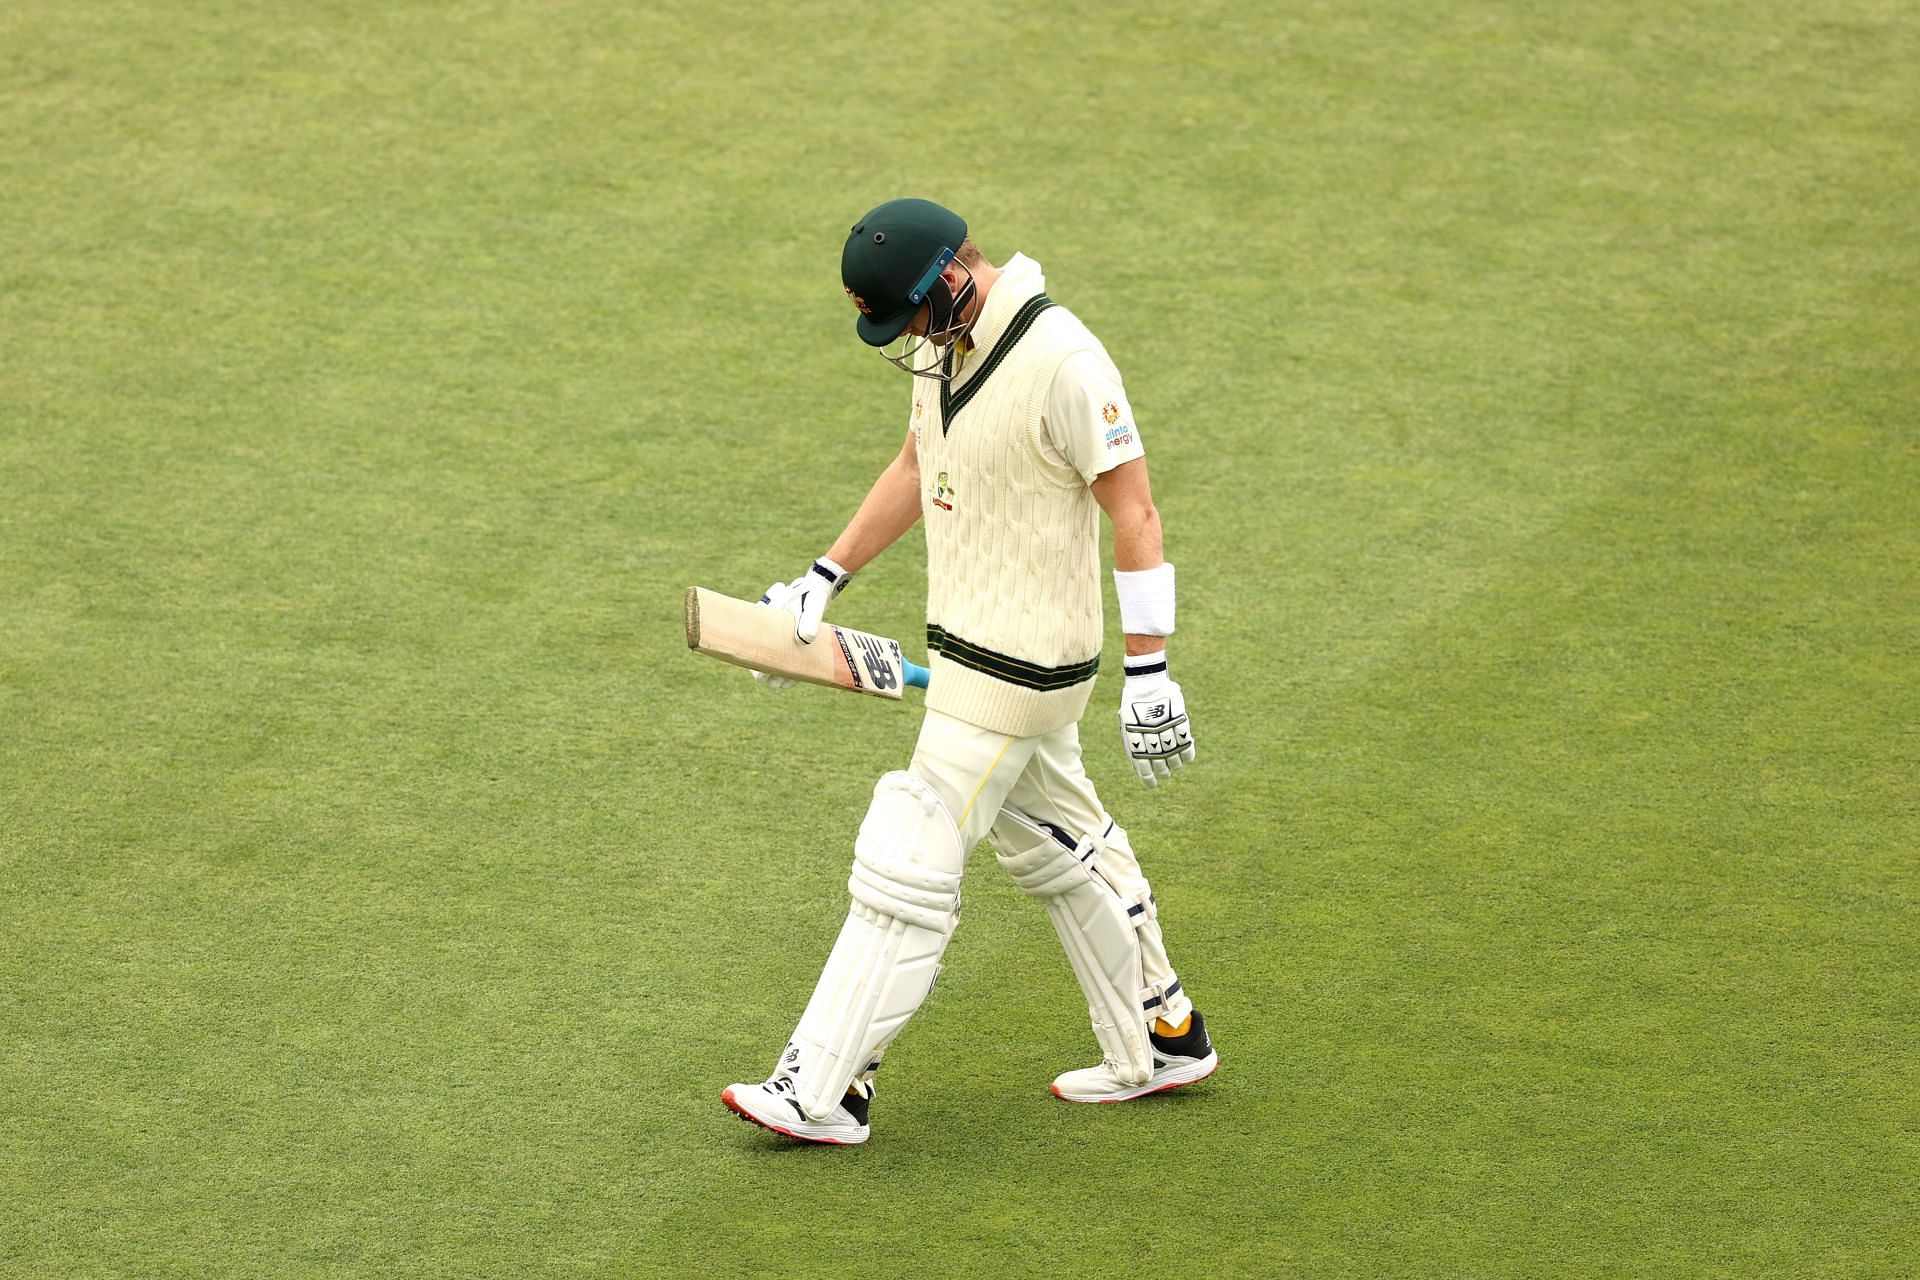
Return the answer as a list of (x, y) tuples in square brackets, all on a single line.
[(1153, 720), (806, 599)]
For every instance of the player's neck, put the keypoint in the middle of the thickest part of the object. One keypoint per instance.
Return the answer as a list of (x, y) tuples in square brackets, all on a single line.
[(985, 276)]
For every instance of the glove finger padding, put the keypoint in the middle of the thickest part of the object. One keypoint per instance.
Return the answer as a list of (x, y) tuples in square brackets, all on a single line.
[(1154, 727)]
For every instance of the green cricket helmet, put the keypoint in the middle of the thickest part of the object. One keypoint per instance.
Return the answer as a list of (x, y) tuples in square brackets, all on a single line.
[(891, 267)]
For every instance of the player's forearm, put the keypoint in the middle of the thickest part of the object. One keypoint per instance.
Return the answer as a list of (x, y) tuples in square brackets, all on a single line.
[(1136, 539), (1137, 545), (889, 510)]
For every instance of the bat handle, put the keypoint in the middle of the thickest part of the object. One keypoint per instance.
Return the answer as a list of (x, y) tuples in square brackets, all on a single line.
[(916, 676)]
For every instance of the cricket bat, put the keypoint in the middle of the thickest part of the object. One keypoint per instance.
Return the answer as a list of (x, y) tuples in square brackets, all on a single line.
[(760, 638)]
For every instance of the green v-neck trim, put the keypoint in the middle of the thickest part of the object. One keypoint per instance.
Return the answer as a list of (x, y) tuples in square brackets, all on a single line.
[(951, 401)]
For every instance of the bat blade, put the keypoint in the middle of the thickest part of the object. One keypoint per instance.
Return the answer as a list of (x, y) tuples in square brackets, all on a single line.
[(761, 638)]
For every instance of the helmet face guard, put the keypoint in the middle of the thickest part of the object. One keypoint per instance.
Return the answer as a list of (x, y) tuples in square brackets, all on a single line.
[(946, 320)]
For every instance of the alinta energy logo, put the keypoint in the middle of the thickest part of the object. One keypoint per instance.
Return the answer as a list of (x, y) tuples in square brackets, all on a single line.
[(941, 490)]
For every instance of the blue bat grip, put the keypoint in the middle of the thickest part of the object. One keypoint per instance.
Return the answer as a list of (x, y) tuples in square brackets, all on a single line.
[(916, 675)]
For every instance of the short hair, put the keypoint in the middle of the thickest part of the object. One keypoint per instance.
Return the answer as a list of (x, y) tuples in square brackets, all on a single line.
[(969, 253)]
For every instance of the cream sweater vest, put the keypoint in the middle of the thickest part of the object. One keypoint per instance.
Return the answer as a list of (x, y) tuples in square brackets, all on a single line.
[(1013, 558)]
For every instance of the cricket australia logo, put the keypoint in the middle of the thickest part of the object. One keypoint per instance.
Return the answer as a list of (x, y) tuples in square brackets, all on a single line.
[(859, 302), (941, 491)]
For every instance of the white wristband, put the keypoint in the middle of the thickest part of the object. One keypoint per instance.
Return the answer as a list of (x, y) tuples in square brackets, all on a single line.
[(1146, 600)]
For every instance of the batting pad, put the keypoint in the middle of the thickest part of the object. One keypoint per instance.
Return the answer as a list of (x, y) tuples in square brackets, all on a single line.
[(907, 863), (1098, 928)]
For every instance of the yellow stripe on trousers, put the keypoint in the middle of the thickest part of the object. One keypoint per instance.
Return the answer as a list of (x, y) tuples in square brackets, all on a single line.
[(983, 782)]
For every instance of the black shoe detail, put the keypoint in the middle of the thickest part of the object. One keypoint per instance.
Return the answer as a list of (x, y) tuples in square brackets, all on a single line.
[(856, 1107), (1194, 1044)]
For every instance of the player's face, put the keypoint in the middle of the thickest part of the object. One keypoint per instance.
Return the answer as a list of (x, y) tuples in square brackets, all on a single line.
[(956, 314), (957, 278)]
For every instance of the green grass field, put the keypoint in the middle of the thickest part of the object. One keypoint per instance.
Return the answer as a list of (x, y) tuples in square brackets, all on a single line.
[(1534, 408)]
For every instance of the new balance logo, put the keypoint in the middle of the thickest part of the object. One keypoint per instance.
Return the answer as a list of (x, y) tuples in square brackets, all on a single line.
[(882, 660)]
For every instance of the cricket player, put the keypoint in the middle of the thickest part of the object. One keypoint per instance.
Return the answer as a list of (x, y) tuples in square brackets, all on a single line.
[(1019, 436)]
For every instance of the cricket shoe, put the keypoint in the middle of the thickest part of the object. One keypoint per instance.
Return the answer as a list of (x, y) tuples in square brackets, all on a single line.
[(773, 1106), (1176, 1061)]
